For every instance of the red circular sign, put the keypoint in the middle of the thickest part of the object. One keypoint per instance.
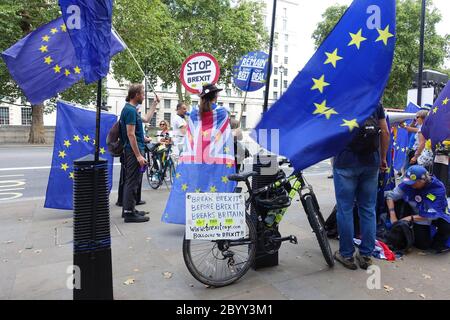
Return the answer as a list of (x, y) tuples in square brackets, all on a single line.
[(197, 70)]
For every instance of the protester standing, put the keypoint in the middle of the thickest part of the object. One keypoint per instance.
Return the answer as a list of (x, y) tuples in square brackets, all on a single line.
[(355, 174), (132, 133)]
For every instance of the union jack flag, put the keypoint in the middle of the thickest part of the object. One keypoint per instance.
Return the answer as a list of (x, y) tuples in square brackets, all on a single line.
[(206, 162)]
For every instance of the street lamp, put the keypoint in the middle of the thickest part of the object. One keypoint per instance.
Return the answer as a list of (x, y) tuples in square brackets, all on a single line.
[(282, 69)]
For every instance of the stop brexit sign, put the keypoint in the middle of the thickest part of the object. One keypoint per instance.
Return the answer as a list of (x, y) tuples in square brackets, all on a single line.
[(197, 70)]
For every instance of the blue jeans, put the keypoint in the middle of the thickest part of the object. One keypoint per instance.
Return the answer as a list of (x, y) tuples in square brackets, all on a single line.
[(358, 184)]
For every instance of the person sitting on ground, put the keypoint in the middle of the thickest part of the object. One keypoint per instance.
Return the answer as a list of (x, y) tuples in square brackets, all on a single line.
[(426, 196)]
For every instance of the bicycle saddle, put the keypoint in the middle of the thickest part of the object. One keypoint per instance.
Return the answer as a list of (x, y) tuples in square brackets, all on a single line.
[(241, 177)]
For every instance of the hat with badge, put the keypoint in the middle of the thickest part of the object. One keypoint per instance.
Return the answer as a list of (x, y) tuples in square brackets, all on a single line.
[(413, 174), (208, 88)]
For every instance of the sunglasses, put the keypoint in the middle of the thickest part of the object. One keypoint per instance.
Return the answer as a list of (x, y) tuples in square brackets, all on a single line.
[(162, 124)]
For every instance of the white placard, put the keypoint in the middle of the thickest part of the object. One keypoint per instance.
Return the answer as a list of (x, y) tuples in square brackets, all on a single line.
[(442, 159), (215, 216), (198, 70)]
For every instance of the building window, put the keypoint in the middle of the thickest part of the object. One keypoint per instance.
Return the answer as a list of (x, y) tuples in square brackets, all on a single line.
[(275, 59), (228, 92), (244, 107), (26, 116), (153, 120), (239, 93), (275, 46), (285, 72), (284, 24), (285, 12), (276, 36), (194, 103), (275, 83), (275, 71), (232, 107), (275, 95), (166, 104), (4, 115), (286, 37), (285, 84), (286, 48), (220, 104), (286, 60), (243, 122), (164, 87), (167, 117)]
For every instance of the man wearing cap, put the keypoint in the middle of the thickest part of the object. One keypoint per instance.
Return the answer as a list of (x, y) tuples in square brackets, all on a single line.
[(426, 196)]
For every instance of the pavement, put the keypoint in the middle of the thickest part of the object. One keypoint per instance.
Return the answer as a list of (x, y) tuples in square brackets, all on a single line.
[(147, 260)]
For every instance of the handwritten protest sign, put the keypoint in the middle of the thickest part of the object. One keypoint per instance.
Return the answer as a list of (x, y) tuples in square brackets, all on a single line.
[(215, 216)]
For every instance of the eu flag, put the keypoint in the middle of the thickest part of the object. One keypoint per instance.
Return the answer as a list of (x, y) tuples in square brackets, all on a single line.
[(89, 24), (205, 164), (338, 89), (402, 141), (74, 138), (44, 63), (437, 125)]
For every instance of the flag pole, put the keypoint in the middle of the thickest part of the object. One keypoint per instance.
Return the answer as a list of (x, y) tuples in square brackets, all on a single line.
[(272, 34), (421, 57), (97, 125)]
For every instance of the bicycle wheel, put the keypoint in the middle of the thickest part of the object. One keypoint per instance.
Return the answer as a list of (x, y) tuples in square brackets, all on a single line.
[(170, 171), (220, 263), (154, 175), (318, 228)]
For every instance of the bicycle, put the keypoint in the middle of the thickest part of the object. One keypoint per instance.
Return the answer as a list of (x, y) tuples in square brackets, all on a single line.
[(161, 167), (227, 263)]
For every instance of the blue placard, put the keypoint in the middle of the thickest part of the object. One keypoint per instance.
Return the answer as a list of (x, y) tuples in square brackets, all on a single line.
[(250, 73)]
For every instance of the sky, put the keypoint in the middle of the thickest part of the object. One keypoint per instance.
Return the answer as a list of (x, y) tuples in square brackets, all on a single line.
[(311, 11)]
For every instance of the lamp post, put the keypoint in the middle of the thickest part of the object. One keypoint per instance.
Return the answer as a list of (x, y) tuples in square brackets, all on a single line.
[(272, 34), (421, 57), (281, 84)]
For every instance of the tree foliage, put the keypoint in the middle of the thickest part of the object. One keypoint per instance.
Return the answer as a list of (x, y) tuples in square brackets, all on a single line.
[(406, 57)]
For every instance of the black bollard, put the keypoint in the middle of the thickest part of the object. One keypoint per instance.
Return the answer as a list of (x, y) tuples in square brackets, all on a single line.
[(268, 165), (92, 234)]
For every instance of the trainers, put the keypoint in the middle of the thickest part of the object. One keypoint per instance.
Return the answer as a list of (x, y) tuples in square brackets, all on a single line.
[(363, 261), (135, 217), (349, 263)]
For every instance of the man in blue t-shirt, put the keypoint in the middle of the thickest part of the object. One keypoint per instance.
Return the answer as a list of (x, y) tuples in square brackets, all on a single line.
[(132, 136), (355, 173)]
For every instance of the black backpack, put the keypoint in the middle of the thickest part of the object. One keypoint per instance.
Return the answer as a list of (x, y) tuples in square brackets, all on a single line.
[(114, 141), (401, 235), (367, 140)]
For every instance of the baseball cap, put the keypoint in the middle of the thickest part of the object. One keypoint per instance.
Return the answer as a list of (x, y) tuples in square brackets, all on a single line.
[(413, 174)]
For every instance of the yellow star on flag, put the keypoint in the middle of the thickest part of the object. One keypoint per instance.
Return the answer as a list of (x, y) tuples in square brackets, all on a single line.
[(57, 69), (184, 187), (319, 84), (77, 70), (67, 73), (63, 28), (333, 58), (403, 149), (226, 149), (384, 35), (329, 113), (45, 38), (43, 48), (445, 101), (76, 138), (64, 166), (62, 154), (48, 60), (213, 189), (198, 190), (54, 30), (205, 133), (225, 179), (67, 143), (178, 176), (351, 124), (71, 175), (229, 165), (321, 108), (435, 110), (86, 138), (102, 150), (357, 39)]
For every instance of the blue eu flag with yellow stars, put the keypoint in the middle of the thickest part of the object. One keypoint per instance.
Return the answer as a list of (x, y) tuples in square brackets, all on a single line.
[(401, 142), (74, 138), (437, 125), (89, 25), (338, 89), (44, 63)]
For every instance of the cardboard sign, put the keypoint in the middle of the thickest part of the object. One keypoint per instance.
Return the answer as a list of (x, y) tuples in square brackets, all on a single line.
[(198, 70), (215, 216)]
